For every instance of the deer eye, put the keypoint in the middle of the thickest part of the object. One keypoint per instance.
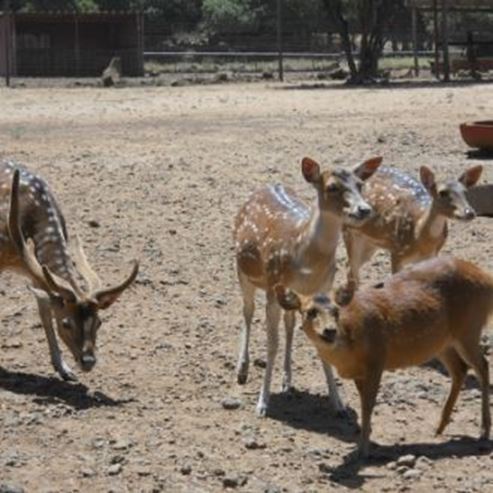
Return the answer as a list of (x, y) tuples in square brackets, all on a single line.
[(312, 313), (66, 323), (332, 188)]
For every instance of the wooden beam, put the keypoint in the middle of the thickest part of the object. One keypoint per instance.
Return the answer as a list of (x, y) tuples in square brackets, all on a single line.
[(415, 40), (445, 41), (435, 38)]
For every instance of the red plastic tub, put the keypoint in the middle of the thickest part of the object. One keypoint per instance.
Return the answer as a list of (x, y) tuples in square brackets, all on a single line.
[(478, 135)]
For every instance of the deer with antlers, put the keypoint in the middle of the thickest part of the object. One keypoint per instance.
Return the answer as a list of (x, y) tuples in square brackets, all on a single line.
[(279, 239), (410, 219), (435, 308), (34, 243)]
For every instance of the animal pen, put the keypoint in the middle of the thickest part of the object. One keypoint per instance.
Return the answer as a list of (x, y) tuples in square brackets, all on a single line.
[(51, 44), (466, 36)]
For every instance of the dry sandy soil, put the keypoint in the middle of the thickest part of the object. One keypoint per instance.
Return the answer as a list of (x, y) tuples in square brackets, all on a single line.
[(163, 170)]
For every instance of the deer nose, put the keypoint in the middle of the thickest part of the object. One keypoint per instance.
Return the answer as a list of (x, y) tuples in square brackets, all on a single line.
[(364, 211), (469, 215), (88, 361)]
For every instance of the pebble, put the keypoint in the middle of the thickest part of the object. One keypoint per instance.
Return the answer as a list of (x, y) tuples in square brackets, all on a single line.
[(10, 488), (114, 469), (412, 474), (231, 403), (252, 444), (406, 460), (122, 444), (231, 481), (93, 223), (186, 469), (87, 473)]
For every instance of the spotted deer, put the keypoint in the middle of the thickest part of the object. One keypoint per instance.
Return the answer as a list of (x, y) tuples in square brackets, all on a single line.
[(279, 239), (435, 308), (34, 243), (410, 219)]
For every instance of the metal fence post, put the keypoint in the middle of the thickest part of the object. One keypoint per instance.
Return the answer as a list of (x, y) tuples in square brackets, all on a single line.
[(8, 41), (279, 40)]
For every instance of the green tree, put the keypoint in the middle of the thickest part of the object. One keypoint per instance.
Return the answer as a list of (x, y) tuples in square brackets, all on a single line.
[(370, 19), (225, 16)]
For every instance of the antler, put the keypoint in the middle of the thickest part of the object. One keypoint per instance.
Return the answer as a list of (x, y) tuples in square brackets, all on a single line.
[(106, 297), (87, 272), (26, 250)]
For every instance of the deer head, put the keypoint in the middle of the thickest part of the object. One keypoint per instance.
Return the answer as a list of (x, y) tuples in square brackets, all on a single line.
[(339, 190), (76, 311), (450, 198)]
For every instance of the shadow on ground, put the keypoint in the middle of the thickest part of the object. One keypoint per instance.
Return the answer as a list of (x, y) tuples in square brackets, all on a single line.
[(303, 410), (480, 154), (49, 390), (351, 472), (393, 84)]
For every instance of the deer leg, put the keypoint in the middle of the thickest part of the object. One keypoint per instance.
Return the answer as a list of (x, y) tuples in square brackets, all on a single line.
[(457, 370), (273, 315), (368, 389), (289, 321), (248, 293), (359, 251), (470, 351), (56, 355), (336, 403)]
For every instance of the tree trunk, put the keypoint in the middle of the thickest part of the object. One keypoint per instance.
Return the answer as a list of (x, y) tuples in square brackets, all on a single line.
[(373, 16)]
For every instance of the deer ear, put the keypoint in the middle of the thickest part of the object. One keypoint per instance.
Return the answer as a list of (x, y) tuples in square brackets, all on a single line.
[(366, 169), (310, 170), (427, 178), (471, 176), (40, 294), (287, 298)]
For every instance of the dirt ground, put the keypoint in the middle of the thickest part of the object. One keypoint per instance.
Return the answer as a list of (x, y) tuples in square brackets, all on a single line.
[(162, 171)]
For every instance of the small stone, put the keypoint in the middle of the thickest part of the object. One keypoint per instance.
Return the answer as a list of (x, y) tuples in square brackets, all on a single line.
[(93, 223), (392, 465), (10, 488), (186, 469), (406, 460), (423, 461), (231, 403), (122, 444), (231, 481), (259, 363), (114, 469), (412, 474), (144, 471), (87, 472), (218, 472), (252, 444)]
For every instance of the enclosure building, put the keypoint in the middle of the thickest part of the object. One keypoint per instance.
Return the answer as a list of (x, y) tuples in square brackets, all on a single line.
[(68, 44)]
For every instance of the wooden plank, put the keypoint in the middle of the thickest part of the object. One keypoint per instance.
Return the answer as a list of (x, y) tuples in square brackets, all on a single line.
[(481, 199)]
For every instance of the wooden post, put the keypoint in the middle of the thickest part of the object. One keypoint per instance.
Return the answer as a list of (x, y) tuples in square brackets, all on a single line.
[(279, 40), (445, 40), (415, 40), (77, 45), (139, 20), (435, 38), (8, 42)]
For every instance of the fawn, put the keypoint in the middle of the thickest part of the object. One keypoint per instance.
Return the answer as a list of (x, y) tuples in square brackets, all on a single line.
[(279, 239), (435, 308), (44, 258), (410, 219)]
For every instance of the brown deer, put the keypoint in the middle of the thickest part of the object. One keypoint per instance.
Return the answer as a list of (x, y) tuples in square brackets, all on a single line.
[(279, 239), (435, 308), (410, 219), (34, 243)]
